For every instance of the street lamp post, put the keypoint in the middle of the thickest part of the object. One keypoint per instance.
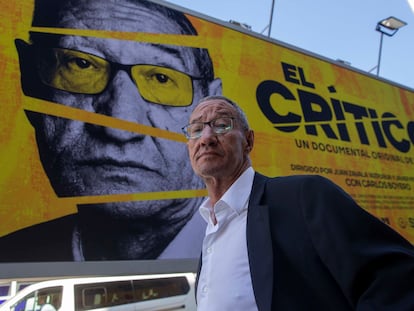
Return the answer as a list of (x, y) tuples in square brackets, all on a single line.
[(271, 19), (389, 27)]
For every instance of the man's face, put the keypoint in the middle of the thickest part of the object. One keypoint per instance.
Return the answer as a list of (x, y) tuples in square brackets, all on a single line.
[(85, 159), (219, 156)]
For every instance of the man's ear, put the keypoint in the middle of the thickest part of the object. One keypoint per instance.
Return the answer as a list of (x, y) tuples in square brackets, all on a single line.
[(21, 46), (249, 140), (28, 76), (215, 87)]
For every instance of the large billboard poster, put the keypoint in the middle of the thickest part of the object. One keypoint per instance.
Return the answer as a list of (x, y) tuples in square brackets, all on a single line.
[(94, 94)]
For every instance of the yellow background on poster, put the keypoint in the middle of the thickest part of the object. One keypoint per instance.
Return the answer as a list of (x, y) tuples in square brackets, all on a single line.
[(379, 175)]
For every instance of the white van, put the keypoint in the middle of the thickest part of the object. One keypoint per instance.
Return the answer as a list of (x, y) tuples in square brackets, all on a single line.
[(141, 292), (9, 288)]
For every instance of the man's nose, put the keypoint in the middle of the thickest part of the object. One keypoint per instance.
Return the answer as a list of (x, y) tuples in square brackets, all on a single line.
[(208, 136), (122, 100)]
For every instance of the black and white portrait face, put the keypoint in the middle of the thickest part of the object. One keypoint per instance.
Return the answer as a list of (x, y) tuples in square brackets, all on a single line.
[(144, 83)]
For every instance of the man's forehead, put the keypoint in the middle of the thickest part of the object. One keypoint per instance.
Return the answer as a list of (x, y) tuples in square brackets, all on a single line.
[(123, 16), (126, 51), (216, 107), (119, 15)]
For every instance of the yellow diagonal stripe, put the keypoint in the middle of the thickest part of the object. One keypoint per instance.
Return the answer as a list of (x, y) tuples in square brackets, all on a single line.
[(58, 110), (144, 196), (172, 39)]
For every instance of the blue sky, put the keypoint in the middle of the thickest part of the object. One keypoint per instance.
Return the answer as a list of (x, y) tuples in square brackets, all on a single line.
[(342, 30)]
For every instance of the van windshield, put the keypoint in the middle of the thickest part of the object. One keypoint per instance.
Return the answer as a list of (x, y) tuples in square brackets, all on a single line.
[(37, 300)]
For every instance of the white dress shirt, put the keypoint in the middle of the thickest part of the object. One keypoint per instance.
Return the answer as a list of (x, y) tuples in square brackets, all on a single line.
[(225, 282)]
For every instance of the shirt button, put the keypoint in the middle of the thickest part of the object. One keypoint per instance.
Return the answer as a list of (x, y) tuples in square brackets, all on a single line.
[(205, 289), (209, 250)]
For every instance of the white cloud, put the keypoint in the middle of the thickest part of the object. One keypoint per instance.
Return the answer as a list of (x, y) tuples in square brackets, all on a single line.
[(411, 3)]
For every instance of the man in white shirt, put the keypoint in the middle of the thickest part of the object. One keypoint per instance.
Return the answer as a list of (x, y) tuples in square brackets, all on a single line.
[(229, 183), (286, 243)]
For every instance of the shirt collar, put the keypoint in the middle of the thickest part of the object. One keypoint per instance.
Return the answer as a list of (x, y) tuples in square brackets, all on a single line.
[(235, 197)]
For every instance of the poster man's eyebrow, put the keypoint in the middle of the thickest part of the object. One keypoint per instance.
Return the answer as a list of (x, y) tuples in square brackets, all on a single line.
[(171, 50)]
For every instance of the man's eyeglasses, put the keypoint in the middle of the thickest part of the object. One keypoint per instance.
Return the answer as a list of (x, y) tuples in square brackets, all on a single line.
[(219, 126), (84, 73)]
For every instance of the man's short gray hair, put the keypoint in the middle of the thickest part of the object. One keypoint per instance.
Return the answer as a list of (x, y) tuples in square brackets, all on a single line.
[(240, 113)]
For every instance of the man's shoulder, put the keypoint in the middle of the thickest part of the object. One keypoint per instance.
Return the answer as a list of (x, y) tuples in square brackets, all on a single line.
[(293, 187), (45, 241), (294, 180)]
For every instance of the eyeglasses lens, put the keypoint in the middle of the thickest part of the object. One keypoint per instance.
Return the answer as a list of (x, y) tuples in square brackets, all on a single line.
[(79, 72), (219, 126)]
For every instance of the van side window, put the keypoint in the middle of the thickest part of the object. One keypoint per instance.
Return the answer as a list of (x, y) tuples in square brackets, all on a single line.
[(37, 299), (98, 295), (4, 292), (4, 289), (160, 288)]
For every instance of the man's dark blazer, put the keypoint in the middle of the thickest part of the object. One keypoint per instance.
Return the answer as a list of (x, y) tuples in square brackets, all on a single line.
[(311, 247)]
